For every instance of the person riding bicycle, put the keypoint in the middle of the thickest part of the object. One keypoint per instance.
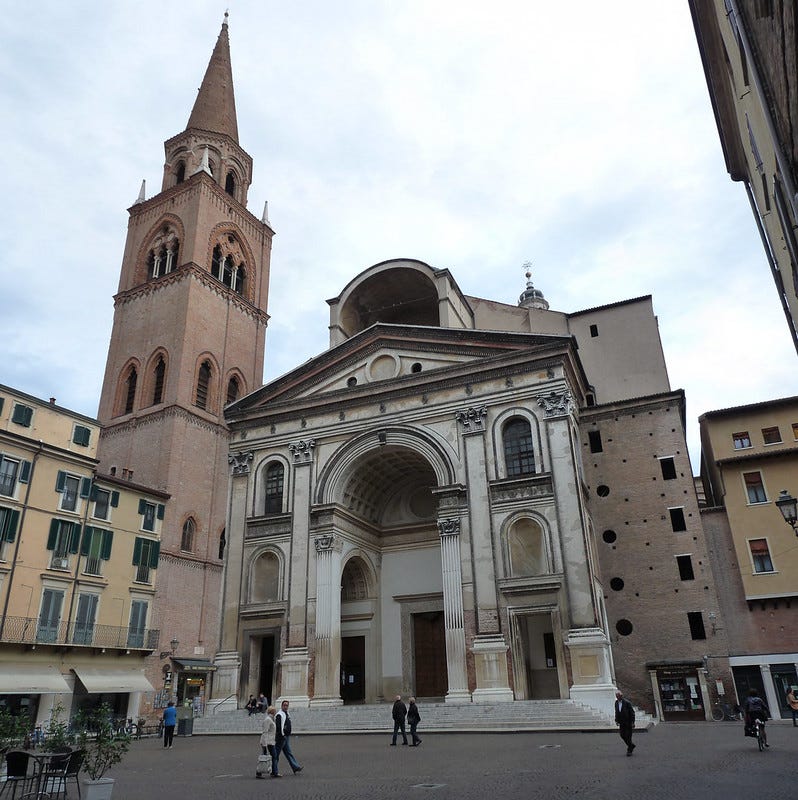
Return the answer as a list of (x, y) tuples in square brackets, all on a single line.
[(755, 709)]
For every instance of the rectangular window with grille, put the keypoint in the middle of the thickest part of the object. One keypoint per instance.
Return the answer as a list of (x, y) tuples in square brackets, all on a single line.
[(754, 487), (760, 555)]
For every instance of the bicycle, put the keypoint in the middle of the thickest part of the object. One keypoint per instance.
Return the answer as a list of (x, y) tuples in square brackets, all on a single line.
[(761, 736), (126, 727), (725, 712)]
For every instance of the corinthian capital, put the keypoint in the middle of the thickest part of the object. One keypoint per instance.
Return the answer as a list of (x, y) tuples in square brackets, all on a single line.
[(239, 462), (556, 405), (302, 450), (328, 543), (448, 527), (472, 419)]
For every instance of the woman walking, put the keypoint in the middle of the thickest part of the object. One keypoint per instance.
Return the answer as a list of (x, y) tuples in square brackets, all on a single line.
[(267, 738)]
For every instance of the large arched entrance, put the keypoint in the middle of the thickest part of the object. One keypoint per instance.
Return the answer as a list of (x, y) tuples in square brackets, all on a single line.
[(390, 588)]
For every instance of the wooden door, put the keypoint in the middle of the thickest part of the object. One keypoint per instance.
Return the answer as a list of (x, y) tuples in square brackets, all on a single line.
[(429, 648)]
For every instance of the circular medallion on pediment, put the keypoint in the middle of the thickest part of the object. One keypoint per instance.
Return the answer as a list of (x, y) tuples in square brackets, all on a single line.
[(383, 367)]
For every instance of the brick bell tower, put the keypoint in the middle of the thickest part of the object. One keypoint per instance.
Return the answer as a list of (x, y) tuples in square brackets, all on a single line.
[(188, 338)]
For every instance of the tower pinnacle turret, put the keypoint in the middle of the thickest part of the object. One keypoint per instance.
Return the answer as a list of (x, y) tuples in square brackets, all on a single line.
[(531, 297)]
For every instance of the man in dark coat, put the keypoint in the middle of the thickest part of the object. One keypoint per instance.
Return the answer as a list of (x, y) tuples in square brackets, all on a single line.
[(625, 719), (399, 714)]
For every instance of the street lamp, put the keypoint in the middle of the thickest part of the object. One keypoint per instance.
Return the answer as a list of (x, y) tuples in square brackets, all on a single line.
[(788, 506), (174, 644)]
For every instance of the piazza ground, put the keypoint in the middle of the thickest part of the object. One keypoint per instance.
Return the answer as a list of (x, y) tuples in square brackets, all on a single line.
[(673, 760)]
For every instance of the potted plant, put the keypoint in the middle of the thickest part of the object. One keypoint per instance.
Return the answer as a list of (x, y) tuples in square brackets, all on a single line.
[(59, 737), (104, 747)]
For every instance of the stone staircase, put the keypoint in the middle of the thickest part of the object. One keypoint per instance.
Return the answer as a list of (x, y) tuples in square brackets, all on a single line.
[(528, 715)]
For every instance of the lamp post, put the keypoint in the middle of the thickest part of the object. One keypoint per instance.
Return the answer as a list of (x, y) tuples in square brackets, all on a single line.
[(788, 506), (174, 644)]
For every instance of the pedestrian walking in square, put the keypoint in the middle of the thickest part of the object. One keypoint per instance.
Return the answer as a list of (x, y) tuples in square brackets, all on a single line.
[(399, 713), (413, 718), (282, 739), (169, 722), (625, 719)]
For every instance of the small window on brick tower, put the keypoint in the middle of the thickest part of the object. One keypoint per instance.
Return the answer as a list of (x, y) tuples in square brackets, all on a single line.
[(130, 390), (203, 385), (160, 375), (230, 184), (668, 468), (180, 174), (232, 390), (677, 519), (594, 438), (685, 564), (696, 622)]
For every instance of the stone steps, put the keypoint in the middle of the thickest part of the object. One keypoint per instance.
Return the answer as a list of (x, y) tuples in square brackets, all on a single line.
[(530, 715)]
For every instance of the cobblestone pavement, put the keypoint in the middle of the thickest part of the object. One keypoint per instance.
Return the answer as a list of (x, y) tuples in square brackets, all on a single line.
[(673, 760)]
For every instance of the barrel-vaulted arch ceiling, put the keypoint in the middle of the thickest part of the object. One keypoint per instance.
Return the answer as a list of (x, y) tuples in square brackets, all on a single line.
[(398, 296), (391, 486)]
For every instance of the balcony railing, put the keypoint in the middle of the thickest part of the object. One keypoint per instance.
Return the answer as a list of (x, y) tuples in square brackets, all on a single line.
[(27, 630)]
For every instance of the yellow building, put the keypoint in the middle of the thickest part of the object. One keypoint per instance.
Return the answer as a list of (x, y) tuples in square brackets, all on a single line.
[(78, 558), (748, 50), (748, 455)]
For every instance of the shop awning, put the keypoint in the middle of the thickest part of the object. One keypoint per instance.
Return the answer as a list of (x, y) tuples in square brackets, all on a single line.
[(18, 678), (99, 681), (193, 665)]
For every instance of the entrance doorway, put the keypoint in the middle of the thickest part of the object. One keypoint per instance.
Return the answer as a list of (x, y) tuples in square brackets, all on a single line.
[(784, 679), (266, 674), (353, 669), (429, 650)]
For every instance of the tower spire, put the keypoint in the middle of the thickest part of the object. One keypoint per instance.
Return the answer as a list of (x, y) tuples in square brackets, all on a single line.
[(215, 107), (531, 297)]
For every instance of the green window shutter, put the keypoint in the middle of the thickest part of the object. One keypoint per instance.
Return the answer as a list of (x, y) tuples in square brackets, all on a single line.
[(85, 487), (155, 552), (93, 495), (74, 538), (22, 415), (12, 520), (114, 499), (24, 471), (142, 506), (60, 480), (161, 509), (2, 403), (108, 540), (85, 544), (137, 551), (81, 435), (52, 538), (28, 416)]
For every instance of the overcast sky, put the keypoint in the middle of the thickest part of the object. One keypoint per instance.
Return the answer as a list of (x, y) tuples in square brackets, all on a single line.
[(473, 136)]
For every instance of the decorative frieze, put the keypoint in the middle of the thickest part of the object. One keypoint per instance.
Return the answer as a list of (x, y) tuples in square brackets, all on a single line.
[(302, 450), (556, 404), (472, 419), (239, 462)]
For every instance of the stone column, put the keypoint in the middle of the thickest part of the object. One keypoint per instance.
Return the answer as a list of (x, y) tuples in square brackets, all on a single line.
[(770, 692), (489, 646), (327, 673), (449, 530), (226, 678), (295, 659), (586, 639)]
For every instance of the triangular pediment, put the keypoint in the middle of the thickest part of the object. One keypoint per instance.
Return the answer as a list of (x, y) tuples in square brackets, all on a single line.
[(385, 355)]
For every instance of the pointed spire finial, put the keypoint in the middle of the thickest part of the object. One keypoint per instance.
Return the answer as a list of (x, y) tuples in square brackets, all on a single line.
[(142, 197), (226, 15), (205, 165), (265, 217)]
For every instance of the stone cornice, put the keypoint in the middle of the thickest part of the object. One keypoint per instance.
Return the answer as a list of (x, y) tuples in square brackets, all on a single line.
[(130, 424)]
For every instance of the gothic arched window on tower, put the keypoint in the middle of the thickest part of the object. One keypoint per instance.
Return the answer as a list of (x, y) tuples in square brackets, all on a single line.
[(230, 184), (216, 263), (180, 173), (519, 453), (240, 276), (227, 272), (130, 390), (233, 390), (203, 385), (273, 488), (159, 374), (171, 256), (187, 538)]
